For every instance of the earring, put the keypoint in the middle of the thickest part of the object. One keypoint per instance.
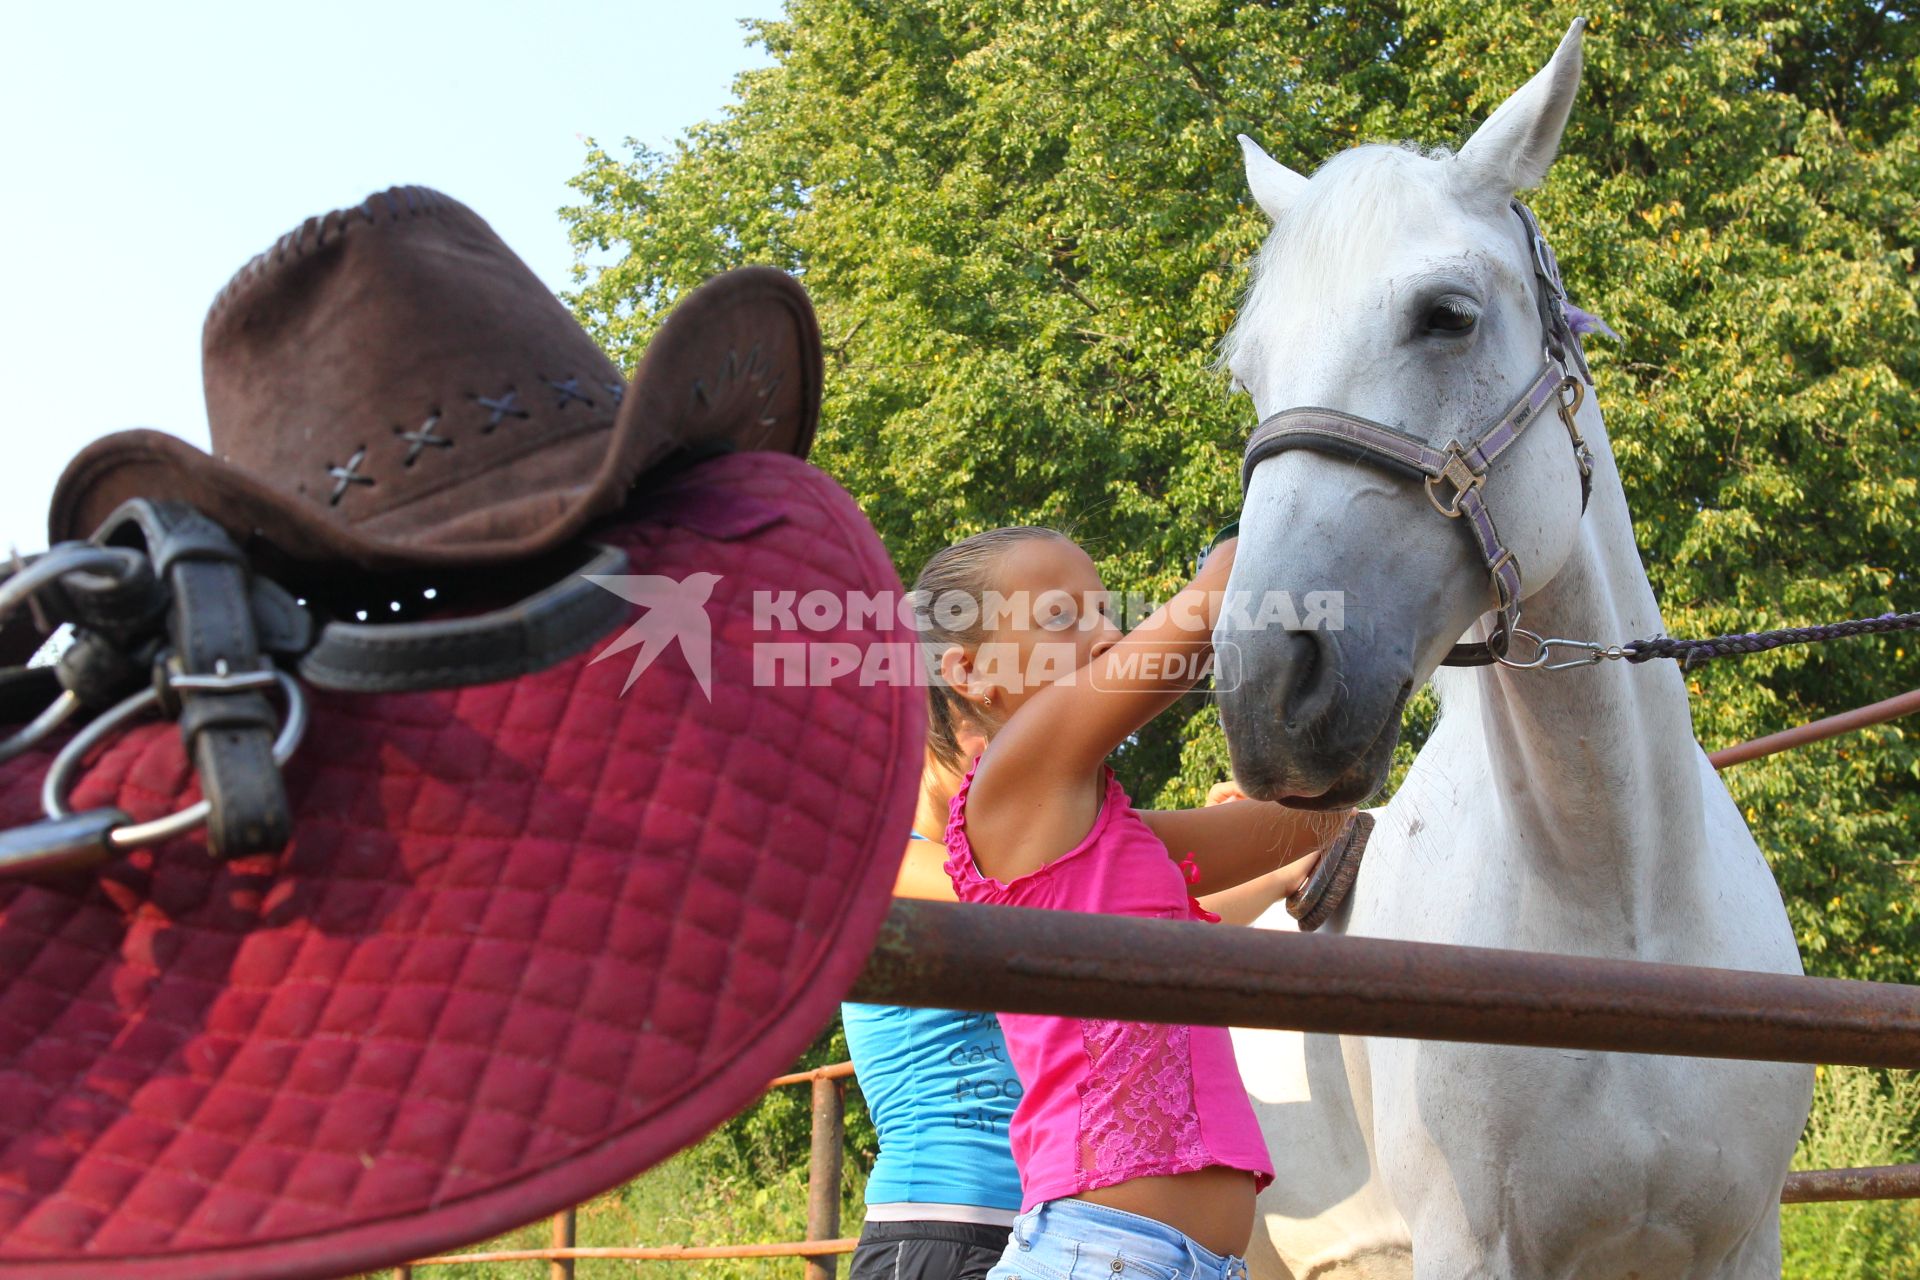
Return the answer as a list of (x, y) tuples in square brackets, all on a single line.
[(989, 699)]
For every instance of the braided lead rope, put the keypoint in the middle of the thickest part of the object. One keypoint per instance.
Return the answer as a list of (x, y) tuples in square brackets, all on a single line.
[(1688, 652)]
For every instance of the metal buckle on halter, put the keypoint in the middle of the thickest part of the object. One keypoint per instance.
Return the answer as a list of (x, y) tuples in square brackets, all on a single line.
[(1457, 473), (1571, 405), (1494, 567)]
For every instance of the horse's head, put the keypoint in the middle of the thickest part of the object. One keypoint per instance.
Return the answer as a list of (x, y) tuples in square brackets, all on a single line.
[(1399, 288)]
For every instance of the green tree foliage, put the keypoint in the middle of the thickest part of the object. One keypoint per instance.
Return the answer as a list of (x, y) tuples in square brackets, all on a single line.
[(1025, 228)]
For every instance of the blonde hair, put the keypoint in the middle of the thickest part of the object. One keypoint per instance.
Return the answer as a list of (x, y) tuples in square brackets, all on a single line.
[(966, 567)]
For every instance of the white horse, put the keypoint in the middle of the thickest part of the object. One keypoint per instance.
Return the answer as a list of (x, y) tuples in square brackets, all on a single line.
[(1566, 811)]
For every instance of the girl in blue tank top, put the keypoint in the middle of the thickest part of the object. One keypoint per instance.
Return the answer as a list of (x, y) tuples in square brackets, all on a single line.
[(944, 1190)]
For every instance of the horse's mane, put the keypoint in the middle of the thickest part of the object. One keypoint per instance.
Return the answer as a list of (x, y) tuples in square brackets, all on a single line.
[(1355, 202)]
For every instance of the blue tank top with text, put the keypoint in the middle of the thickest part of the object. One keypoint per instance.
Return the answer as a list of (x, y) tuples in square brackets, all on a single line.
[(941, 1091)]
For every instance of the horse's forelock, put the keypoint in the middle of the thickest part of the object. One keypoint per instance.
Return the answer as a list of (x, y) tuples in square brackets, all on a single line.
[(1358, 199)]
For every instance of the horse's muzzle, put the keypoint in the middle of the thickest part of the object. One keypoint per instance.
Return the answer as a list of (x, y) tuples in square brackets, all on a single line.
[(1304, 726)]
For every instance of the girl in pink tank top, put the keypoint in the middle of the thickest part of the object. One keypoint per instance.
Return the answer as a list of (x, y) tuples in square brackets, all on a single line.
[(1138, 1136)]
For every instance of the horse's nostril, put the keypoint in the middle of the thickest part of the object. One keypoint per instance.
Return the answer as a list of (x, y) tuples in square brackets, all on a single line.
[(1305, 674)]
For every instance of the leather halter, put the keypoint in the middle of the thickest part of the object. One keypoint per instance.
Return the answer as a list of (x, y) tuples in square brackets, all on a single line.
[(1456, 475)]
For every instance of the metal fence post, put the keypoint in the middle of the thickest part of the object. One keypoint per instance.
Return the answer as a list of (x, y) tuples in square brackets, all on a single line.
[(823, 1173), (562, 1268)]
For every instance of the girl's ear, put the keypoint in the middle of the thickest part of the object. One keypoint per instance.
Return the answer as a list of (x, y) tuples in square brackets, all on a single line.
[(956, 668)]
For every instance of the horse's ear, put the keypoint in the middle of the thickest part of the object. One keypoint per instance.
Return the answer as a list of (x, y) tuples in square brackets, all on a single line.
[(1275, 187), (1512, 150)]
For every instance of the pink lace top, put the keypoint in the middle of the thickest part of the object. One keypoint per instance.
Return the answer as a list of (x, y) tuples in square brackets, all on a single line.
[(1107, 1102)]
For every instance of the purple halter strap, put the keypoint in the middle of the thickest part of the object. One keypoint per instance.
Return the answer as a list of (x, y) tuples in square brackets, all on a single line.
[(1463, 466)]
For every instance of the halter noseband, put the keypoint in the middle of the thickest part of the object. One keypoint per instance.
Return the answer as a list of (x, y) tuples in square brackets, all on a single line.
[(1461, 466)]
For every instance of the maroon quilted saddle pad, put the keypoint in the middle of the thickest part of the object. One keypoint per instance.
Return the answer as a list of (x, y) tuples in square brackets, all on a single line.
[(528, 937)]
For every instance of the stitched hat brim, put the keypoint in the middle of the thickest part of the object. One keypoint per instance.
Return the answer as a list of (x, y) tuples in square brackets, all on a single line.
[(737, 365)]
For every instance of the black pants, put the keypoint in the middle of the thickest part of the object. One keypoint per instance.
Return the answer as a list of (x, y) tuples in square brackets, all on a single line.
[(927, 1251)]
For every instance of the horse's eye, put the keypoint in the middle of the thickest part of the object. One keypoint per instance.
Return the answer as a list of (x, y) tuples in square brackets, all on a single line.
[(1450, 317)]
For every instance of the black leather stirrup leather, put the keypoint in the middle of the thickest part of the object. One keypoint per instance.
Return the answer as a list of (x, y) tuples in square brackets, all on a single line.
[(210, 672), (188, 625)]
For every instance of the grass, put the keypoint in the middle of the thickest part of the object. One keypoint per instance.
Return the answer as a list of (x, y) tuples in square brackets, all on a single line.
[(684, 1201), (1860, 1117), (710, 1195)]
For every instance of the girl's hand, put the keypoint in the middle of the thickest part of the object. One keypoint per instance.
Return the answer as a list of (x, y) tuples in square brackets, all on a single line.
[(1246, 903), (1224, 793)]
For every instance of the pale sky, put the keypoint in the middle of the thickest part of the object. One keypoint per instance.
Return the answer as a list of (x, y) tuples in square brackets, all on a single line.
[(151, 149)]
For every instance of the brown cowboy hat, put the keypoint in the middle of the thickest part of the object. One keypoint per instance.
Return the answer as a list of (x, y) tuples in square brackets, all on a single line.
[(390, 387)]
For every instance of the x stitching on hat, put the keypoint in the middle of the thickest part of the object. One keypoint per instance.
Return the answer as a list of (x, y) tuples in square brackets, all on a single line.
[(569, 389), (767, 417), (506, 405), (348, 476), (419, 440), (754, 365)]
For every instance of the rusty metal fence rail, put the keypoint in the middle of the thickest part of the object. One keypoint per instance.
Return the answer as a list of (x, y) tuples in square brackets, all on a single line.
[(1818, 730), (1016, 960)]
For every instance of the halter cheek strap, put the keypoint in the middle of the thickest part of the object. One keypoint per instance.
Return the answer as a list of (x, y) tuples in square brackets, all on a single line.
[(1455, 476)]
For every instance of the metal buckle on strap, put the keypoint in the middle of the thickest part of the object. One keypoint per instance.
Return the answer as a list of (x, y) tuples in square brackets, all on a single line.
[(1457, 473), (122, 836), (1570, 404), (222, 679), (1582, 452)]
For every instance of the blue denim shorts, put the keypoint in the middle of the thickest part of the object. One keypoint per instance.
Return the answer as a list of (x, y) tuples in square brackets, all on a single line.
[(1074, 1240)]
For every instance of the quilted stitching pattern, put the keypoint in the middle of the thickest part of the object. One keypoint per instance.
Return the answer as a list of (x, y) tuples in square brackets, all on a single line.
[(529, 938)]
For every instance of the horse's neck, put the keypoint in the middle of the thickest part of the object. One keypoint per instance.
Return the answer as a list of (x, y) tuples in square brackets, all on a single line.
[(1593, 772)]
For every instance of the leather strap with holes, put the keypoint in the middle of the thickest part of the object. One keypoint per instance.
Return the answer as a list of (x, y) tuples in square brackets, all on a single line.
[(530, 635)]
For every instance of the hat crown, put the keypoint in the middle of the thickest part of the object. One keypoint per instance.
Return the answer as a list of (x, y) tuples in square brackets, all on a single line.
[(378, 356), (389, 386)]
